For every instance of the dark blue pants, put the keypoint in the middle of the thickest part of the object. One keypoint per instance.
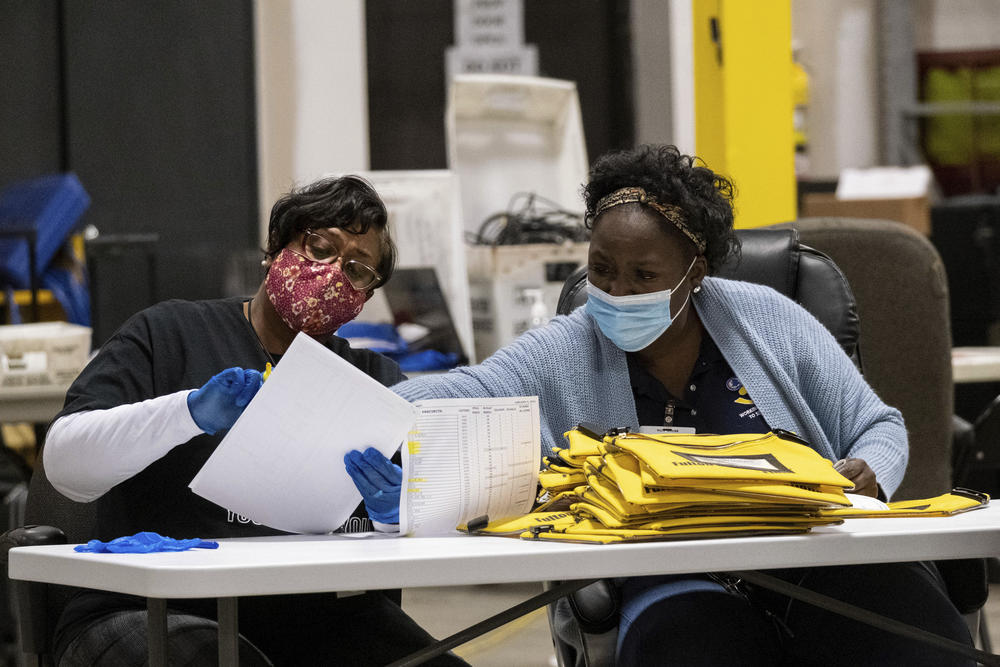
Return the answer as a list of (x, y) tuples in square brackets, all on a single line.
[(692, 620)]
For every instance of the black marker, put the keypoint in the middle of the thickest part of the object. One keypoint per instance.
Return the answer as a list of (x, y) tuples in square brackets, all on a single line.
[(478, 523)]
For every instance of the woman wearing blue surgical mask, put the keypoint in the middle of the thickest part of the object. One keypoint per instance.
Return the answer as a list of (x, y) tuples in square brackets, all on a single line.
[(661, 343)]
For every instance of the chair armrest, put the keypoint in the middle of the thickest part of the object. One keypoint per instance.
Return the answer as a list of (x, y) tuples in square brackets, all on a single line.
[(30, 597), (963, 445), (596, 607), (30, 536)]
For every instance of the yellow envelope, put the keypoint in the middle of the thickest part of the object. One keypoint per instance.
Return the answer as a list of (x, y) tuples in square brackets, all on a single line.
[(957, 501), (751, 457)]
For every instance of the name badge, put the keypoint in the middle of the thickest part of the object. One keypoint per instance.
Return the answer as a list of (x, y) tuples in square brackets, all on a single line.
[(653, 430)]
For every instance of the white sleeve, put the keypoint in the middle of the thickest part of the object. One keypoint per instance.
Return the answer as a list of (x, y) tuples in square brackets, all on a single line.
[(87, 453)]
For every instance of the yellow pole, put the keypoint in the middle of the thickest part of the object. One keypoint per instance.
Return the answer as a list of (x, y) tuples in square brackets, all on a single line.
[(743, 103)]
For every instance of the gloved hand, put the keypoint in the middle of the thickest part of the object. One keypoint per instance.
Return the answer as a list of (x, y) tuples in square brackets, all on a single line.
[(221, 400), (379, 480)]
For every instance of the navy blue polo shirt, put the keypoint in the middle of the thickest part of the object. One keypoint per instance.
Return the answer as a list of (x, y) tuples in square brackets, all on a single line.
[(714, 400)]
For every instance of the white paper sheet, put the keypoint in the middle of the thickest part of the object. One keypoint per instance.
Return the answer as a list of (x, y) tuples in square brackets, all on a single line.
[(865, 502), (884, 182), (469, 458), (282, 462)]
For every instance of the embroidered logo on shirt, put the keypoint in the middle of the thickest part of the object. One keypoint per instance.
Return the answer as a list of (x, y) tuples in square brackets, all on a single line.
[(734, 384), (742, 398)]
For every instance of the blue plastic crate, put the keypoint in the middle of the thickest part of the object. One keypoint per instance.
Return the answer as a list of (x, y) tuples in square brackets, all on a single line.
[(51, 206)]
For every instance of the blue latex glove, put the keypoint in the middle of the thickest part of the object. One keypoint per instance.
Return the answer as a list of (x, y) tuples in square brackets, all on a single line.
[(379, 480), (221, 400), (144, 543)]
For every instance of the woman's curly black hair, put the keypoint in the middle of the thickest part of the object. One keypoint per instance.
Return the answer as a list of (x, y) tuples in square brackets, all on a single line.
[(676, 179), (347, 202)]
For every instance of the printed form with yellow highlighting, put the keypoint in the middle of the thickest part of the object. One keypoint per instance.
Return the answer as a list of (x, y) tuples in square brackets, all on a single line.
[(467, 460)]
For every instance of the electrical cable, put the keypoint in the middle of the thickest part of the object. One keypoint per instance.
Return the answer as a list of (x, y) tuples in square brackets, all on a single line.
[(531, 218)]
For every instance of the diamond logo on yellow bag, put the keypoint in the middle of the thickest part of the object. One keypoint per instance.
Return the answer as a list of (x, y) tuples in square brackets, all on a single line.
[(761, 462)]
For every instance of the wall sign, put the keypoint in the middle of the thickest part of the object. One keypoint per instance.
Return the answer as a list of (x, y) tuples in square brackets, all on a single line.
[(489, 37)]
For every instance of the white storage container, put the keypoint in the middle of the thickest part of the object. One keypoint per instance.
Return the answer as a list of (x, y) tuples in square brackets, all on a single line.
[(504, 282), (509, 135), (42, 354), (512, 134)]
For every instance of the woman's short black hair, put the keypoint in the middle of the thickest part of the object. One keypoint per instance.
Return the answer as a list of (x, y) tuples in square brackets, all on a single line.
[(706, 198), (346, 202)]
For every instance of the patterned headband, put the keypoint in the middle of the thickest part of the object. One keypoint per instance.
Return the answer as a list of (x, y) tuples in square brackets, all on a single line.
[(634, 195)]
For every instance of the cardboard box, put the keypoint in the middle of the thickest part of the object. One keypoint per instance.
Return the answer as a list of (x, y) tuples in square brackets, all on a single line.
[(911, 211)]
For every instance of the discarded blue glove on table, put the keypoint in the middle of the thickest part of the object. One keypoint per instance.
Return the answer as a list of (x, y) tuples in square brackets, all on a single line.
[(221, 400), (144, 543), (379, 480)]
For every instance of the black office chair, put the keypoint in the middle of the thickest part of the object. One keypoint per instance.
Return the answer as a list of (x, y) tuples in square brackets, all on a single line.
[(978, 462), (50, 518), (776, 258)]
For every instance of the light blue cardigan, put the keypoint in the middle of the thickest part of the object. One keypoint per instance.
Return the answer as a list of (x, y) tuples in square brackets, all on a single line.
[(792, 367)]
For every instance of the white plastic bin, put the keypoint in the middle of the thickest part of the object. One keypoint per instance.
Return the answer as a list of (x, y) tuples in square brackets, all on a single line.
[(42, 354)]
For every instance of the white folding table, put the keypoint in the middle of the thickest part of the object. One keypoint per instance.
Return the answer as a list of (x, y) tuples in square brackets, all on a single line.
[(313, 564)]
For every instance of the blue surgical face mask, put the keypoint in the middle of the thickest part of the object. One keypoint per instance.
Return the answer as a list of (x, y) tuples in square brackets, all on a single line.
[(633, 321)]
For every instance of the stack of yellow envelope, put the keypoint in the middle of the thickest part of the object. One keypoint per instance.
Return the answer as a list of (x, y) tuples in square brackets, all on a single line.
[(626, 487), (629, 487)]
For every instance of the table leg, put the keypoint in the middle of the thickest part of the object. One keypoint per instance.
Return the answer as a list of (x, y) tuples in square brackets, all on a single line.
[(229, 638), (157, 631), (491, 623)]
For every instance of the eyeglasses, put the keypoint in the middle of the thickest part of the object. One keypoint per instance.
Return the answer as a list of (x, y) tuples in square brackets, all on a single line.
[(323, 250)]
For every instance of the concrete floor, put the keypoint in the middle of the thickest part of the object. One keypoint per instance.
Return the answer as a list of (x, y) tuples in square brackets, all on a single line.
[(526, 642), (444, 611)]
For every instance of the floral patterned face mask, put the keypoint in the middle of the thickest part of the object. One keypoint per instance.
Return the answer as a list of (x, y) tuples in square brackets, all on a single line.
[(310, 297)]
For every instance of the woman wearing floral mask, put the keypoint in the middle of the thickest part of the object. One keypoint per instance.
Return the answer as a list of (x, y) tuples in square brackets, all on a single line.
[(151, 407), (660, 343)]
